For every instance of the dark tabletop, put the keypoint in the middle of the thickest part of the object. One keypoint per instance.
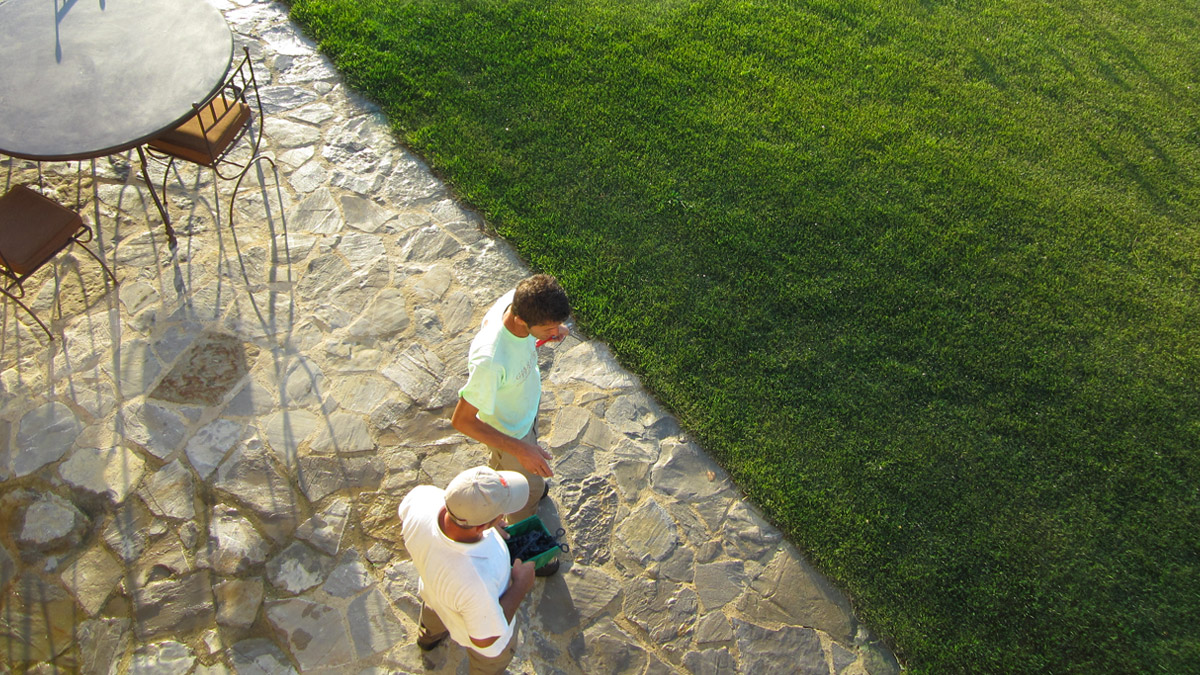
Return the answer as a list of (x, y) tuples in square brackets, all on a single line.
[(88, 78)]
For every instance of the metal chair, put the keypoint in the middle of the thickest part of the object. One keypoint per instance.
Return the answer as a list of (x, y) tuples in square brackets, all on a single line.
[(33, 230), (210, 135)]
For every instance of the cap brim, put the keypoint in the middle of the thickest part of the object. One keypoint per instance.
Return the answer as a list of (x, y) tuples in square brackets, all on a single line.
[(518, 493)]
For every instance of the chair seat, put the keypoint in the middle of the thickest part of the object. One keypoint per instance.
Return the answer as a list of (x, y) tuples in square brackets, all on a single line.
[(222, 120), (33, 229)]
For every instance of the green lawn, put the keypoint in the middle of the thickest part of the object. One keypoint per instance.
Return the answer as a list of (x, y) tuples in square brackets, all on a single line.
[(921, 275)]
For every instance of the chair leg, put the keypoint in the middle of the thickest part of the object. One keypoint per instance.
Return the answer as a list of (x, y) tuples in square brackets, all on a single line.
[(28, 311), (92, 253), (172, 243)]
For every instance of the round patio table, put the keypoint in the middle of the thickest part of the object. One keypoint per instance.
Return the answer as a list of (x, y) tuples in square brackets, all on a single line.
[(88, 78)]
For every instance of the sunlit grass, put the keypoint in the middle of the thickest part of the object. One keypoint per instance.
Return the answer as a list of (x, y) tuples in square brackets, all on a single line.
[(921, 275)]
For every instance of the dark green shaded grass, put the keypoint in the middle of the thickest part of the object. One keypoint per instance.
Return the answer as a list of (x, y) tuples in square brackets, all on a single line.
[(922, 276)]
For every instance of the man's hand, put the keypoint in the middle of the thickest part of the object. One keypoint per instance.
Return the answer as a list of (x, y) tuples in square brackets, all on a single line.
[(535, 459), (522, 575)]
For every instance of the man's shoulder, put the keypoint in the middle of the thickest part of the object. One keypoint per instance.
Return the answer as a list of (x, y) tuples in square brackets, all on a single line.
[(420, 499)]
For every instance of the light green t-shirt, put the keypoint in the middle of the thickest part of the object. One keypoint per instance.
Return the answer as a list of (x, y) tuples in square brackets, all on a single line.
[(503, 380)]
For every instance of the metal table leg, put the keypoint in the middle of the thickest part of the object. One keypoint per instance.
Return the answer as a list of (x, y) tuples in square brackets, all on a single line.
[(172, 243)]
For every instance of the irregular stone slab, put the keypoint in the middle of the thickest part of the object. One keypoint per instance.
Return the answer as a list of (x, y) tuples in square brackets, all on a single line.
[(98, 400), (92, 577), (320, 476), (38, 621), (8, 567), (608, 649), (211, 443), (418, 372), (136, 369), (111, 472), (317, 214), (259, 656), (102, 642), (648, 533), (52, 521), (790, 591), (238, 601), (718, 583), (387, 315), (251, 477), (252, 400), (342, 432), (324, 530), (128, 531), (298, 568), (591, 590), (684, 472), (842, 657), (364, 214), (789, 649), (165, 557), (314, 633), (713, 627), (710, 662), (428, 244), (590, 507), (206, 371), (400, 581), (162, 658), (361, 394), (85, 341), (360, 249), (592, 362), (234, 544), (277, 99), (879, 660), (428, 288), (373, 624), (568, 424), (662, 609), (747, 535), (349, 578), (43, 436), (170, 492), (457, 313), (173, 605), (287, 430), (156, 429), (290, 134)]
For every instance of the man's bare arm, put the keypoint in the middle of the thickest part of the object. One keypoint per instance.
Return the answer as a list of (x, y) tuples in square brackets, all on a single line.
[(510, 601), (466, 420)]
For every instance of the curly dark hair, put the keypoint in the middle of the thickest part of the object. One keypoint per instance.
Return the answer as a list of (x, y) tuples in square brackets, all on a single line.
[(540, 300)]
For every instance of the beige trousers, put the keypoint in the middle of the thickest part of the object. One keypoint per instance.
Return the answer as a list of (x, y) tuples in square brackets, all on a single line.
[(506, 462), (432, 628)]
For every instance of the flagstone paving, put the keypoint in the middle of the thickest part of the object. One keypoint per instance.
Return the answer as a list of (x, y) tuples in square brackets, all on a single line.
[(201, 473)]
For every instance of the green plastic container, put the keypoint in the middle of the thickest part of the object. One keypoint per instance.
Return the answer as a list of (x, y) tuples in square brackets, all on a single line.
[(532, 524)]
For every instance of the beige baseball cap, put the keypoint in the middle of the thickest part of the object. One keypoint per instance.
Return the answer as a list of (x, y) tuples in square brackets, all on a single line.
[(480, 495)]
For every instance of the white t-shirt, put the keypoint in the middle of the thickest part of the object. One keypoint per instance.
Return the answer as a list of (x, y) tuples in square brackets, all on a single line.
[(461, 582), (503, 380)]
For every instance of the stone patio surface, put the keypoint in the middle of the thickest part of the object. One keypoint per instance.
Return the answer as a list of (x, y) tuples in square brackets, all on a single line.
[(200, 473)]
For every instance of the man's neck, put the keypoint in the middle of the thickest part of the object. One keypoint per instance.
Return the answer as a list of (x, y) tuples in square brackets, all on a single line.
[(514, 324), (454, 532)]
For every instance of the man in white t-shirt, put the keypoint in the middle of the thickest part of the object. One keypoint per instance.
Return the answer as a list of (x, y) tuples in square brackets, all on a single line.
[(499, 403), (469, 590)]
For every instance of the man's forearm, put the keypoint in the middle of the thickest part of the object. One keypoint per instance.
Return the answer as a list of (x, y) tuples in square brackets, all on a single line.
[(475, 428)]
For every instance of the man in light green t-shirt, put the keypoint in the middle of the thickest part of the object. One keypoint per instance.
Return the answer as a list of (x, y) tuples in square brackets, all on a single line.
[(499, 403)]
